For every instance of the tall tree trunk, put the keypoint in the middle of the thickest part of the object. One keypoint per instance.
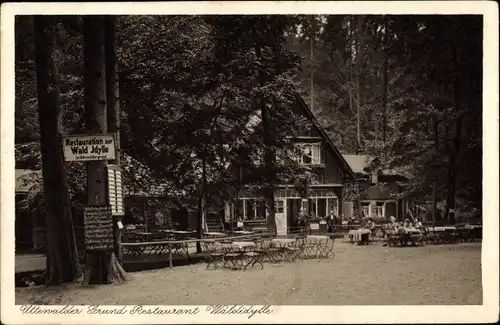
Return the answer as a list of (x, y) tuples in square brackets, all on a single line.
[(358, 84), (385, 82), (350, 43), (269, 153), (113, 108), (62, 255), (201, 204), (452, 165), (311, 61), (101, 267), (434, 191)]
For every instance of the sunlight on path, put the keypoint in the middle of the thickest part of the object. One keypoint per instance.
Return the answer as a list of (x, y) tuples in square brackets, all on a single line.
[(447, 274)]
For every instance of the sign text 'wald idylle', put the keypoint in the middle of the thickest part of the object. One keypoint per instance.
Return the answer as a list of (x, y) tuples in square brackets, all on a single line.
[(89, 147)]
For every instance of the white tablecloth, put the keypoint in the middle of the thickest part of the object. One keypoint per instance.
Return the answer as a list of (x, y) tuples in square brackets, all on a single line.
[(357, 234), (214, 234), (317, 237), (243, 232), (242, 244), (283, 240), (444, 228)]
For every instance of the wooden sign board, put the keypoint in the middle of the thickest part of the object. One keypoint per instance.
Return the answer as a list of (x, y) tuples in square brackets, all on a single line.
[(98, 223), (115, 190), (89, 147)]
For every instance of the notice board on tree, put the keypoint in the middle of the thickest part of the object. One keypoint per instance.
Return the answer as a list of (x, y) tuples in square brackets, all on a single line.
[(89, 147), (98, 223), (115, 190)]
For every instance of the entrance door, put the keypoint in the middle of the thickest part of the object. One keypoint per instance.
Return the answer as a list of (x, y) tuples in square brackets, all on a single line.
[(280, 215)]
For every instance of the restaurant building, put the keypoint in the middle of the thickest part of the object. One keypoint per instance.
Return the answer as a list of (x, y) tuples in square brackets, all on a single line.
[(380, 189), (325, 192), (29, 223)]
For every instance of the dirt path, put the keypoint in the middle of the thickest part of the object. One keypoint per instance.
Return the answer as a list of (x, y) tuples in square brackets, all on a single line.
[(358, 275)]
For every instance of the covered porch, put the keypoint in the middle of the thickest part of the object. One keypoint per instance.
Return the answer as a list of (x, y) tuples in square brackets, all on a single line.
[(320, 203)]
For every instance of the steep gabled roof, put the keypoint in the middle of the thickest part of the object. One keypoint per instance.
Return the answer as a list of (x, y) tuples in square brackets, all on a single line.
[(255, 120), (359, 163), (336, 153)]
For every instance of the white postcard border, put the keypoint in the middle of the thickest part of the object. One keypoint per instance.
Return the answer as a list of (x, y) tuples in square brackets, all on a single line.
[(488, 312)]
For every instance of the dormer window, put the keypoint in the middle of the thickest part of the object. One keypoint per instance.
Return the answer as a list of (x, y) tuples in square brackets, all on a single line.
[(307, 156), (310, 154), (374, 177)]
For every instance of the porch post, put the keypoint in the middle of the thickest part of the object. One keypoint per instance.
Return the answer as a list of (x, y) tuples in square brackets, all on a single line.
[(340, 203)]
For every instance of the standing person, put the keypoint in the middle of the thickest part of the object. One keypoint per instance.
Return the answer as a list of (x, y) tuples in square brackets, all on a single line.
[(303, 218), (331, 222)]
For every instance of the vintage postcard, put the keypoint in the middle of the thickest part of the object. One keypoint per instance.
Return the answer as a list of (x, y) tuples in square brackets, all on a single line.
[(249, 162)]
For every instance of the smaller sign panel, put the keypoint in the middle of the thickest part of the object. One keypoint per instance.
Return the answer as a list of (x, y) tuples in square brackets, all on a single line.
[(115, 190), (314, 226), (98, 223), (89, 147)]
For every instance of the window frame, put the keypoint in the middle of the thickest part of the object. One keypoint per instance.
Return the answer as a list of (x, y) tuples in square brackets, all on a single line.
[(367, 207), (316, 153), (380, 206)]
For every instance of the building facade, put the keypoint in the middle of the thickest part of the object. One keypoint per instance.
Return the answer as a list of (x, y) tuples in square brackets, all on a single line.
[(324, 195), (379, 189)]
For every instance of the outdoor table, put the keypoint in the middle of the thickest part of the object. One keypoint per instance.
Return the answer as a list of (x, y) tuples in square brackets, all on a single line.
[(214, 234), (144, 235), (283, 240), (243, 232), (446, 228), (286, 249), (235, 254), (250, 255), (360, 236), (444, 234), (412, 235), (182, 234), (316, 246), (242, 244)]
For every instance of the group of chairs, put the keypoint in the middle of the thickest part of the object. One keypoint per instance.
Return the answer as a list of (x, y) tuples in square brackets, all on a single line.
[(402, 239), (435, 236), (240, 255)]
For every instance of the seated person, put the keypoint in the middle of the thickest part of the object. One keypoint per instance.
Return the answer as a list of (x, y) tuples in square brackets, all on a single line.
[(370, 225), (418, 223), (240, 224), (407, 224), (391, 228)]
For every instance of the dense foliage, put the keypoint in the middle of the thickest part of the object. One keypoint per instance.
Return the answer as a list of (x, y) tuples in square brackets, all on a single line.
[(404, 88)]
